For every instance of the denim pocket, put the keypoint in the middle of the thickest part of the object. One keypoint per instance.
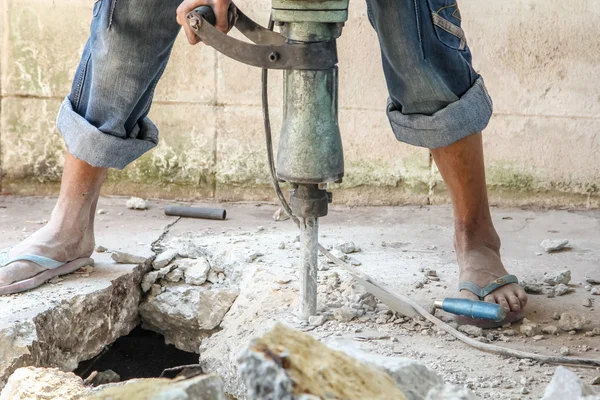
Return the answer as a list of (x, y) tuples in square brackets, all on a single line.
[(446, 20), (97, 7)]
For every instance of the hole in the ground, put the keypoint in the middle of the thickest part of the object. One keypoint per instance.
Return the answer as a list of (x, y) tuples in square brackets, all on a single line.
[(141, 354)]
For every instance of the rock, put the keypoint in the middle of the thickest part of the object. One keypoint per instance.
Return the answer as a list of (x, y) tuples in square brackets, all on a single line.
[(251, 315), (471, 330), (588, 288), (564, 351), (344, 314), (595, 291), (104, 377), (550, 330), (565, 384), (556, 316), (135, 203), (594, 280), (571, 322), (596, 381), (101, 211), (559, 277), (550, 293), (155, 290), (537, 338), (285, 363), (316, 320), (203, 387), (348, 248), (280, 215), (44, 384), (164, 258), (100, 249), (529, 328), (524, 391), (195, 270), (284, 279), (281, 245), (531, 287), (185, 314), (413, 378), (122, 257), (52, 384), (450, 392), (586, 303), (561, 289), (252, 256), (175, 275), (97, 311), (150, 278), (552, 245)]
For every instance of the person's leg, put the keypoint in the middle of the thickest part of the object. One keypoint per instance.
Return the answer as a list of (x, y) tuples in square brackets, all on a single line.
[(69, 234), (476, 242), (439, 102), (103, 120)]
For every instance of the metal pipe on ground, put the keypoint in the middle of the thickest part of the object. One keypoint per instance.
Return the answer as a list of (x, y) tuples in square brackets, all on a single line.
[(196, 212)]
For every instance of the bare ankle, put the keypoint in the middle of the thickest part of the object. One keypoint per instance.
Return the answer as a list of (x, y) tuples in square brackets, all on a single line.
[(471, 236)]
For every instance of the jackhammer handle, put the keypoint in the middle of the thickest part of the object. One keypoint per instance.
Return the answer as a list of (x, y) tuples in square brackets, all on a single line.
[(472, 308), (208, 14)]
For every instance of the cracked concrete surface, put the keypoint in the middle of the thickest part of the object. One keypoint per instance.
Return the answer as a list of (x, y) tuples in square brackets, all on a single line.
[(396, 242)]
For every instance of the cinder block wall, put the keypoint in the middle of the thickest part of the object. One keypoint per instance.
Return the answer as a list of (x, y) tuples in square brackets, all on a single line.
[(540, 60)]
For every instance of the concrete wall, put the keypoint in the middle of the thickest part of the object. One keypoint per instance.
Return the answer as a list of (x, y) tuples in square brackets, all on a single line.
[(540, 60)]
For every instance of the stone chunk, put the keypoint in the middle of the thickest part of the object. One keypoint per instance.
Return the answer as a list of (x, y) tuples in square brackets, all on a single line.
[(195, 270), (561, 289), (529, 328), (557, 278), (135, 203), (565, 384), (532, 287), (348, 248), (280, 215), (344, 314), (185, 314), (586, 302), (595, 291), (571, 322), (471, 330), (164, 258), (552, 245), (550, 330), (285, 363), (121, 257), (40, 383), (316, 320)]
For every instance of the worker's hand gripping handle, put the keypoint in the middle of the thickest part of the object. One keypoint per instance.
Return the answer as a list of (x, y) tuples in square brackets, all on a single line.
[(208, 14), (472, 309)]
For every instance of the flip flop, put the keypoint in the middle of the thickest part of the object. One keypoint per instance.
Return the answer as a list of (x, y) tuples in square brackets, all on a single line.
[(482, 292), (53, 268)]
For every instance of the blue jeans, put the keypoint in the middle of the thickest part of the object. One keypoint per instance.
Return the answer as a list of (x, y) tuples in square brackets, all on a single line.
[(435, 96)]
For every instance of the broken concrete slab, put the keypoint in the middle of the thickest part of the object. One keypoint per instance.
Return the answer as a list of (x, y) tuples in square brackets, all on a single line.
[(32, 383), (285, 363), (255, 311), (123, 257), (164, 258), (185, 314), (61, 324)]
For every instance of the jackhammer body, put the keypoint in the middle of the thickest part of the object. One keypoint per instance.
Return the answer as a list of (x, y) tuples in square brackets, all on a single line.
[(310, 151)]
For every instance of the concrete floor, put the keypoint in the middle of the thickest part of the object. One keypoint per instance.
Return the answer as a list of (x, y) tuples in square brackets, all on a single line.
[(396, 242)]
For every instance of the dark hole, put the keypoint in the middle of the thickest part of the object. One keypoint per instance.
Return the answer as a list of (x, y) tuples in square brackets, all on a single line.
[(141, 354)]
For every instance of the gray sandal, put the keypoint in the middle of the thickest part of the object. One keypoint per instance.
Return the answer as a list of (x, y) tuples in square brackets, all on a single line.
[(53, 268), (481, 292)]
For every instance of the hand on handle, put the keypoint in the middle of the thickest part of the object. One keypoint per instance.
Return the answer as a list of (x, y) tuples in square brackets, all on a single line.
[(219, 7)]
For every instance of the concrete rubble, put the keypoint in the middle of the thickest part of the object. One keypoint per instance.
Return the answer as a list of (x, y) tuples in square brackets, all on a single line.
[(554, 245), (135, 203), (32, 383), (566, 384)]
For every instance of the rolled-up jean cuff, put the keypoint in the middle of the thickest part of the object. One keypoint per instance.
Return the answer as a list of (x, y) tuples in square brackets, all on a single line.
[(468, 115), (87, 143)]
